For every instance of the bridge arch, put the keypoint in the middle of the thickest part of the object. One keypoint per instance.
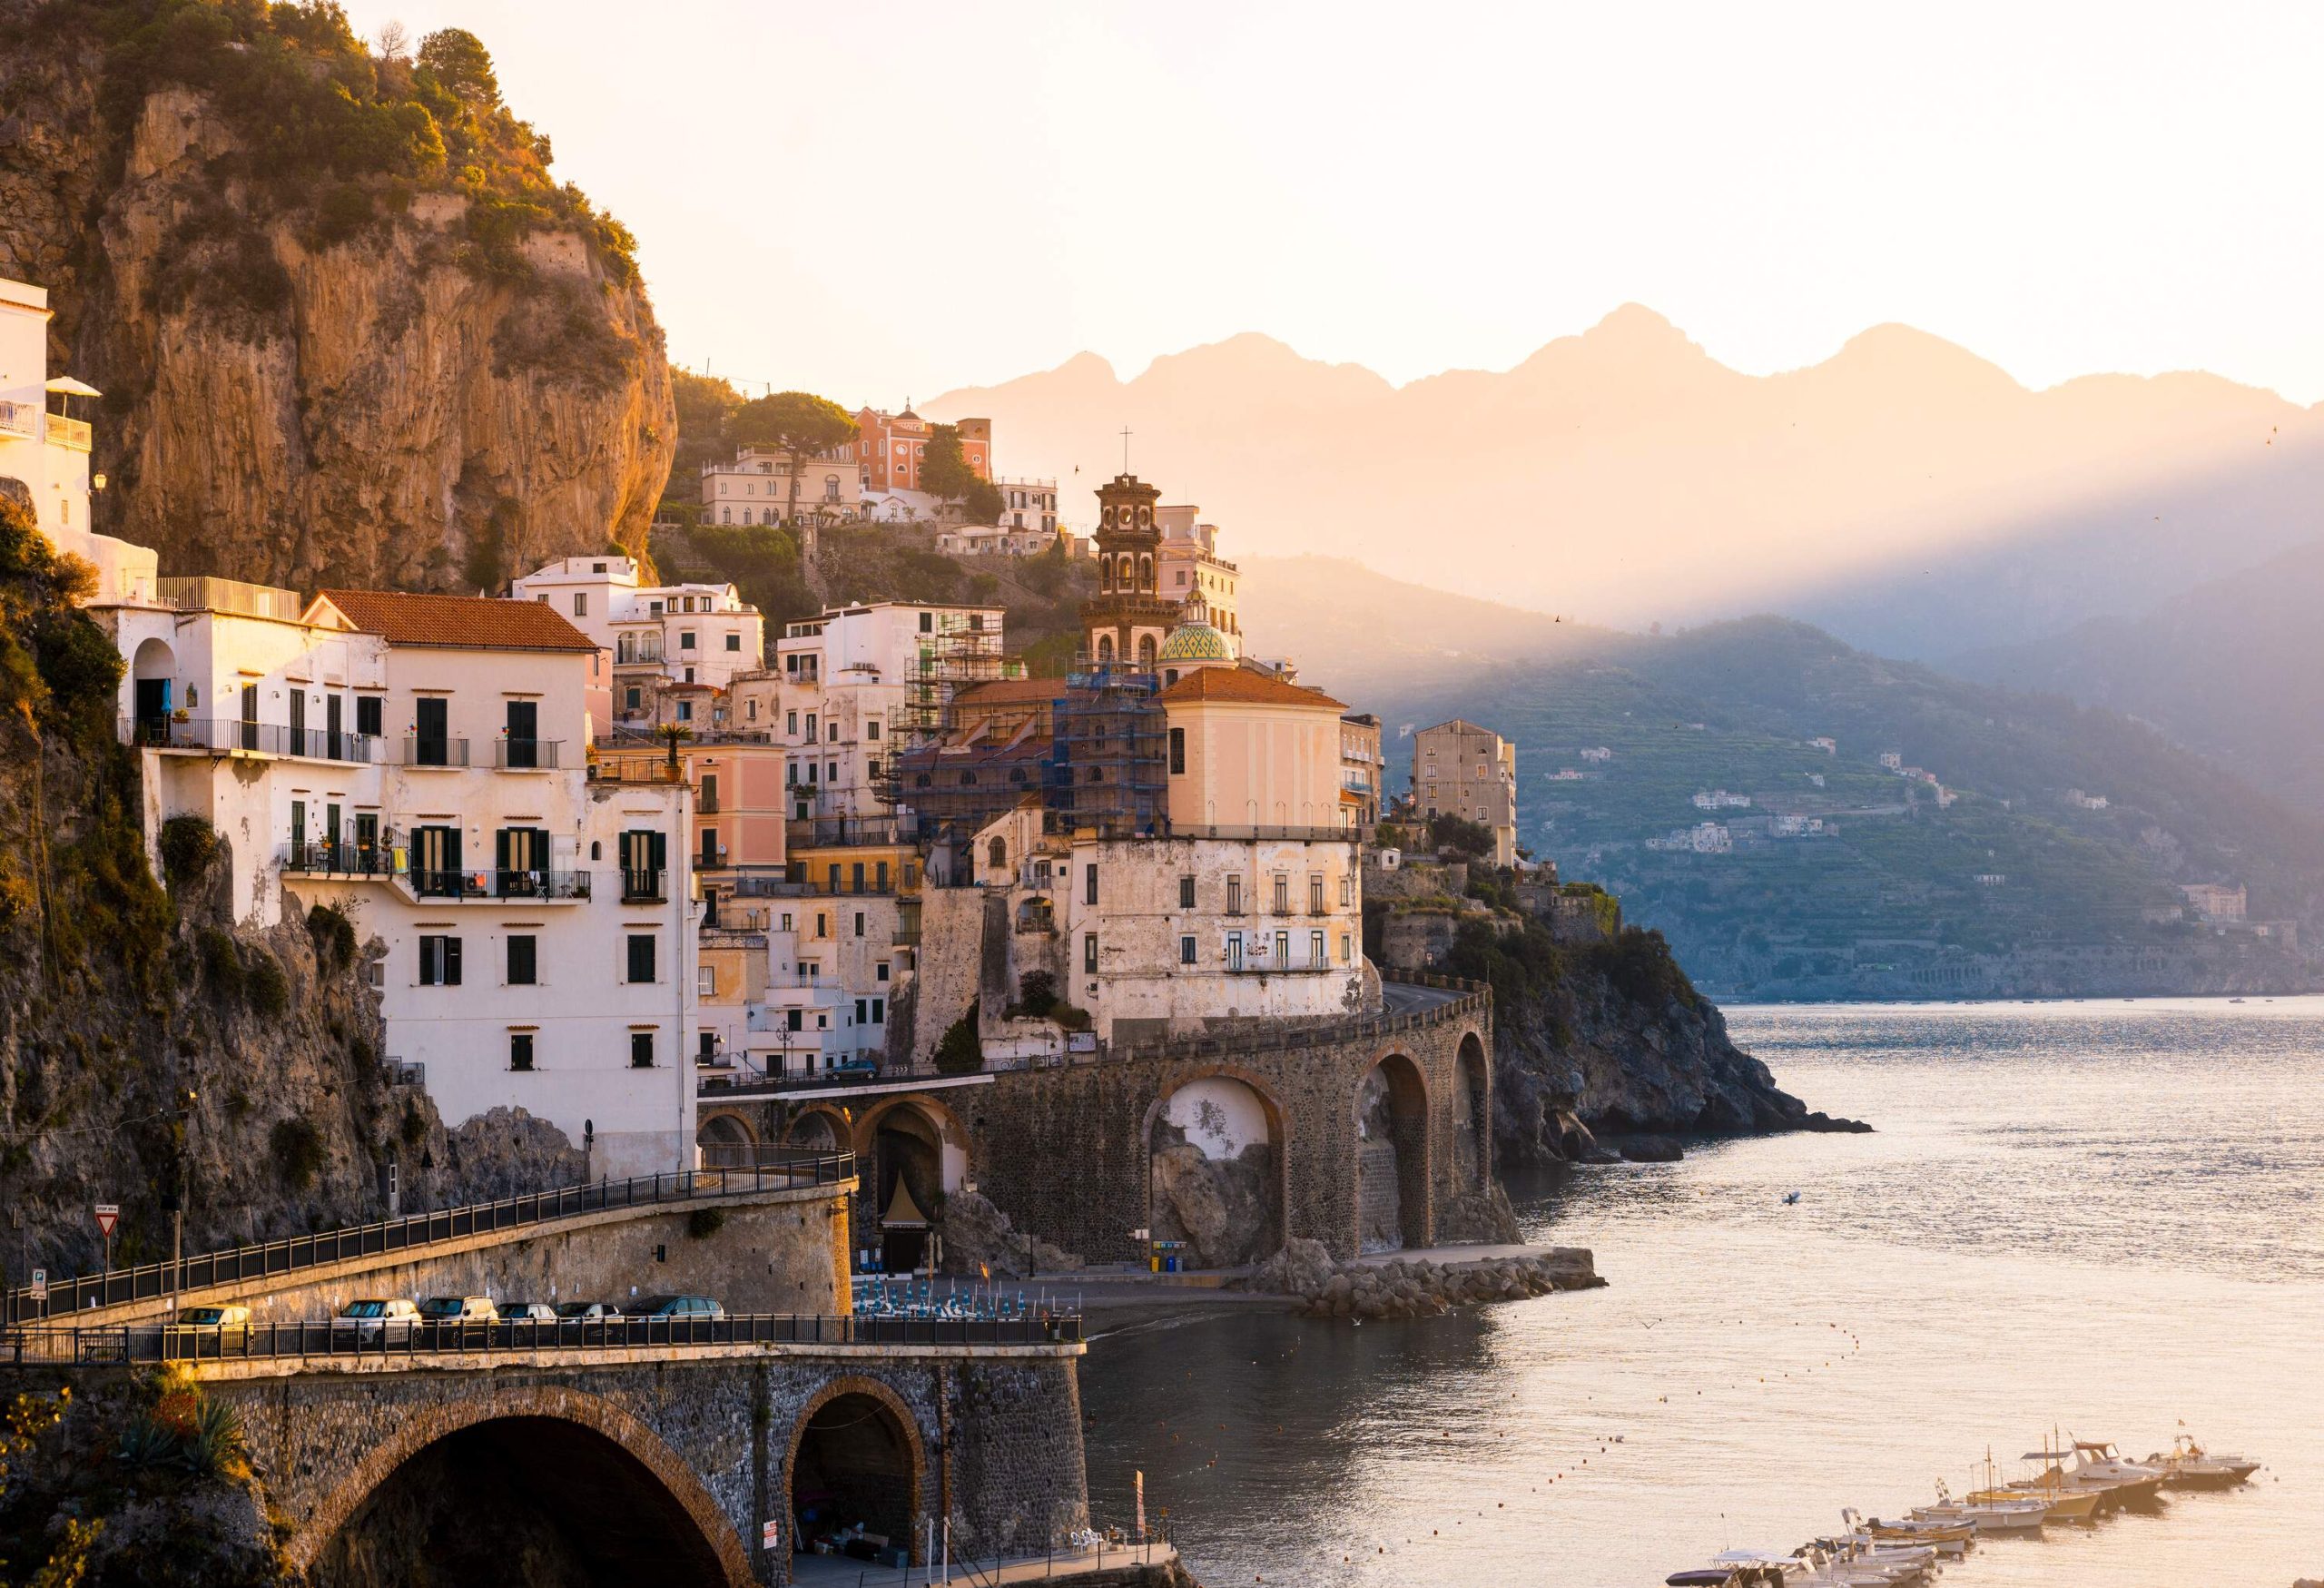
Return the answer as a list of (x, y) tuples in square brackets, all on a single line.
[(913, 1152), (856, 1454), (1471, 1117), (1219, 1134), (727, 1139), (820, 1126), (629, 1496), (1391, 1120)]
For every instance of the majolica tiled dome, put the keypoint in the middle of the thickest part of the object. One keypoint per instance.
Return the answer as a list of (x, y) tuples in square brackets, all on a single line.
[(1195, 642)]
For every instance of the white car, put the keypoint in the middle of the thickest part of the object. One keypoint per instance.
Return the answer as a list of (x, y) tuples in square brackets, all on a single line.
[(453, 1309), (374, 1319), (527, 1312)]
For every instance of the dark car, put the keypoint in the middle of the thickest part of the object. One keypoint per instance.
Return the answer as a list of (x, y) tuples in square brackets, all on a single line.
[(688, 1309), (586, 1311)]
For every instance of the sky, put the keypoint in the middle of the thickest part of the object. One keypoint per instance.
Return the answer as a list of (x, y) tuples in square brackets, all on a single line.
[(884, 199)]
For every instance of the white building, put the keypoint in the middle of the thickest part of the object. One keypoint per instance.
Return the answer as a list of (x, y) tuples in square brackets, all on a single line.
[(48, 450), (658, 636), (753, 486), (419, 762), (1028, 504)]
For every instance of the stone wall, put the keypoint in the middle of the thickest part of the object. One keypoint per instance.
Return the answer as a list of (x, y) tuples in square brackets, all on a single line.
[(1066, 1151), (782, 1251), (949, 973), (994, 1438)]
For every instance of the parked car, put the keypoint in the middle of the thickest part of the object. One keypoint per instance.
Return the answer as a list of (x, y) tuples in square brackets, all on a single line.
[(689, 1308), (229, 1325), (527, 1312), (450, 1310), (374, 1319), (587, 1311)]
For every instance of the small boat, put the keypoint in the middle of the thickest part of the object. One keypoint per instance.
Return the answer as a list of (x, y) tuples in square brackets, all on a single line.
[(2014, 1514), (2097, 1464), (2189, 1466), (1951, 1539), (2053, 1479)]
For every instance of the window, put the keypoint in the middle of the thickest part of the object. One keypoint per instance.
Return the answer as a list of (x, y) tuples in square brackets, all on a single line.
[(1090, 884), (1089, 953), (862, 1012), (1185, 951), (872, 730), (1347, 958), (880, 872), (581, 604), (926, 619), (1282, 894), (1234, 895), (635, 700), (786, 920), (859, 924), (685, 639), (791, 1021), (1315, 894), (879, 1011), (520, 1049), (641, 1050), (1178, 750), (1234, 950), (524, 730), (824, 921), (1315, 948), (1347, 892), (734, 642), (439, 961), (705, 981), (524, 966), (1186, 893), (811, 727), (641, 956), (791, 726), (367, 715), (1282, 951), (879, 973)]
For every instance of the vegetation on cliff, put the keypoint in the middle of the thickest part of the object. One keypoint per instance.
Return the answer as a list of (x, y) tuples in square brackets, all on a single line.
[(348, 326)]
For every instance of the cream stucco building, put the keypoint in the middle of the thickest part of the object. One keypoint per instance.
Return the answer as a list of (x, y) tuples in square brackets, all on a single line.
[(1459, 769)]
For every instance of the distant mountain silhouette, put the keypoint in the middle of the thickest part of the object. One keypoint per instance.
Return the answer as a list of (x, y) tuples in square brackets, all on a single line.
[(2233, 669), (1904, 493)]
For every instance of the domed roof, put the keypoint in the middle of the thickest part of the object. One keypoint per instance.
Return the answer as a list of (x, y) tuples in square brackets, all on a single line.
[(1195, 641)]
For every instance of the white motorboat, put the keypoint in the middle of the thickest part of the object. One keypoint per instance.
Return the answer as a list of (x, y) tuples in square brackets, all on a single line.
[(2110, 1492), (1988, 1509), (2189, 1466), (2097, 1464)]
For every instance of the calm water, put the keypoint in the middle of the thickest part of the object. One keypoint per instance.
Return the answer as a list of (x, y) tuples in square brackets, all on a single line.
[(2101, 1217)]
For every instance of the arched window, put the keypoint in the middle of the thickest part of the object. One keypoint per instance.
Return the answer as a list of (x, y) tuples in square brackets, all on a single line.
[(1146, 653), (922, 781), (968, 780), (1146, 572), (1017, 775), (1104, 648), (997, 855)]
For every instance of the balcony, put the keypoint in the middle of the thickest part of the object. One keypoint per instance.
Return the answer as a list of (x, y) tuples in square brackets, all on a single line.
[(321, 857), (74, 434), (205, 593), (705, 802), (527, 754), (711, 859), (642, 887), (627, 654), (20, 418), (231, 735), (541, 886), (636, 769), (434, 751)]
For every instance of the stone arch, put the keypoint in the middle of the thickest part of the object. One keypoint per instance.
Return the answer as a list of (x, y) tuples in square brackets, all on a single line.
[(822, 1127), (153, 685), (1471, 1117), (1146, 653), (1391, 1130), (832, 1401), (997, 853), (1189, 1166), (920, 1145), (1146, 573), (724, 1138), (616, 1439), (1104, 648)]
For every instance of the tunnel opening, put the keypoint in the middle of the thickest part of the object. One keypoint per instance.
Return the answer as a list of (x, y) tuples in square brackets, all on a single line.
[(854, 1482), (1213, 1175), (533, 1500), (908, 1168)]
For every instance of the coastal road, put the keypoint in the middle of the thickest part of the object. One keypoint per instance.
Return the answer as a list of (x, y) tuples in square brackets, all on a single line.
[(1405, 998)]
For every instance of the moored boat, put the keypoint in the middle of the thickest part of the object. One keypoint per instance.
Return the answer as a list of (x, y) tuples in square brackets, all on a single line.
[(2189, 1465)]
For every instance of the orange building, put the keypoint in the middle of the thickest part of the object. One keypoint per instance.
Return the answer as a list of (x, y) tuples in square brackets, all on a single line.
[(890, 447)]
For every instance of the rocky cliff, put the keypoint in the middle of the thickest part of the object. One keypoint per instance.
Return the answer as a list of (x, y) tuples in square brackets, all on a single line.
[(349, 331), (141, 1038)]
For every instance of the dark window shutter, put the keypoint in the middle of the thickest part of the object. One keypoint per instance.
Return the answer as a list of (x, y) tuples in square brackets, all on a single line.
[(451, 961)]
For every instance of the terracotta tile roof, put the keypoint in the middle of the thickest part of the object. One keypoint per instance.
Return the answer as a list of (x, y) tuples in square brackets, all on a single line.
[(1013, 692), (458, 622), (1241, 683)]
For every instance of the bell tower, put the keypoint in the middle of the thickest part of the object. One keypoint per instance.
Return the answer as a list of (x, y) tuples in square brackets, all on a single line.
[(1127, 619)]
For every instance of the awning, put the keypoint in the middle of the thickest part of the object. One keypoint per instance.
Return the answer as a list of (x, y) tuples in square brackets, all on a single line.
[(69, 387), (903, 1213)]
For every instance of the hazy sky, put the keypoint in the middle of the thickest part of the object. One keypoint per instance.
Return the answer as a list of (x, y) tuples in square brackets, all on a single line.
[(877, 200)]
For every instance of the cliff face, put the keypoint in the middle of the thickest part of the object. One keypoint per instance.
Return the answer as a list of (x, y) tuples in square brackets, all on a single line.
[(333, 382), (118, 998)]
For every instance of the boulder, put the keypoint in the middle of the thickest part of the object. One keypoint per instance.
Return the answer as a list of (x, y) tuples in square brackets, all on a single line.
[(1652, 1150)]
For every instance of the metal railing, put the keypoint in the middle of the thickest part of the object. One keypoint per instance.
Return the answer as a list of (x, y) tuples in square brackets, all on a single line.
[(225, 735), (421, 1340), (343, 859), (635, 771), (527, 754), (642, 887), (70, 432), (423, 751), (1264, 834), (20, 418), (209, 593), (540, 884), (151, 1280)]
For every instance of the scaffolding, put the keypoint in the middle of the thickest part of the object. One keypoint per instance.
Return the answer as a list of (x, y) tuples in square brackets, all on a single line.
[(957, 652), (1108, 767)]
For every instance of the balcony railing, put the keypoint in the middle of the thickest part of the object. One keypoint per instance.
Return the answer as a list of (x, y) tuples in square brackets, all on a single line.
[(705, 802), (450, 884), (434, 751), (207, 593), (540, 884), (226, 735), (343, 859), (20, 418), (636, 769), (642, 887), (72, 433), (527, 754)]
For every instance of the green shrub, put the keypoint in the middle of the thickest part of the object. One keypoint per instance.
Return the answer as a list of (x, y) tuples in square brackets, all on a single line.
[(268, 984), (188, 845), (960, 1052), (221, 963), (334, 937), (1037, 992), (298, 1149), (705, 1222), (1462, 836)]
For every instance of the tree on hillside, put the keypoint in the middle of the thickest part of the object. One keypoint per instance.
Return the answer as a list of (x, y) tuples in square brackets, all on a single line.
[(462, 64), (799, 422), (945, 474), (705, 403)]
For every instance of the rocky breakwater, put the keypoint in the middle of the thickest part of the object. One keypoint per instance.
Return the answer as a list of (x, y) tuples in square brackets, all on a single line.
[(348, 329), (1419, 1286)]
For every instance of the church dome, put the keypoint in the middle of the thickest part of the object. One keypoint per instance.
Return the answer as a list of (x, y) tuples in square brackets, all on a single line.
[(1195, 641)]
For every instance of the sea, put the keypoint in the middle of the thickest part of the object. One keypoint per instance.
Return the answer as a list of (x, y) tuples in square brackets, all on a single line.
[(2083, 1220)]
